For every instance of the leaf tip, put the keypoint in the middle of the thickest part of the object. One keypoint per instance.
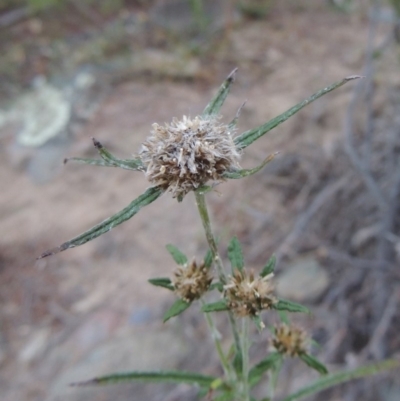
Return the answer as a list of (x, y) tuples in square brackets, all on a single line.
[(96, 143), (231, 77), (351, 77)]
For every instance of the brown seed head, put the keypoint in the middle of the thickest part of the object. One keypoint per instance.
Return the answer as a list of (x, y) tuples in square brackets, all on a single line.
[(247, 295), (289, 340), (192, 281), (184, 155)]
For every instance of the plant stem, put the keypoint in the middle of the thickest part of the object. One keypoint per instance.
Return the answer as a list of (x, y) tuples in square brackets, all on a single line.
[(215, 336), (205, 219), (245, 358)]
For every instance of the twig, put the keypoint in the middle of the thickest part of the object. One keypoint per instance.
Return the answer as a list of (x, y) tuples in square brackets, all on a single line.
[(306, 216), (355, 159), (375, 345)]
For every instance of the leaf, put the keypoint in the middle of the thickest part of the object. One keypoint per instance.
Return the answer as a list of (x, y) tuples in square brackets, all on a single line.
[(232, 124), (266, 364), (248, 137), (176, 309), (314, 363), (290, 306), (112, 161), (246, 172), (238, 362), (218, 306), (343, 377), (208, 259), (269, 267), (157, 377), (235, 254), (214, 106), (177, 255), (127, 164), (164, 282), (125, 214), (283, 316)]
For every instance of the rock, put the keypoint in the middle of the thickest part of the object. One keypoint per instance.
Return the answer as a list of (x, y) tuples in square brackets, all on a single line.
[(131, 350), (304, 280), (42, 114)]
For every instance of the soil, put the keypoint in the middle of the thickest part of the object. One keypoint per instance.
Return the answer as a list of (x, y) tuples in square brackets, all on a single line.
[(61, 316)]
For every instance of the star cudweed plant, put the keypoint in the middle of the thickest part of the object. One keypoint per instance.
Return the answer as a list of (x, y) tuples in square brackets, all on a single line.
[(194, 155)]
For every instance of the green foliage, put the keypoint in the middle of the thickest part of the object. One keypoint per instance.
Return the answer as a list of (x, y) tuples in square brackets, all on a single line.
[(262, 367), (179, 257), (155, 377), (164, 282), (314, 363), (269, 267), (342, 377), (235, 255), (218, 306), (176, 309), (285, 305), (248, 137)]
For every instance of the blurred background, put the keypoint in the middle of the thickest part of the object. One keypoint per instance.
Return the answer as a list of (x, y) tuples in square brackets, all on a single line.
[(328, 206)]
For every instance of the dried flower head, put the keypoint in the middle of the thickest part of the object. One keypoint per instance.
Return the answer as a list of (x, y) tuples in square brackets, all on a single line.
[(289, 340), (247, 295), (184, 155), (192, 281)]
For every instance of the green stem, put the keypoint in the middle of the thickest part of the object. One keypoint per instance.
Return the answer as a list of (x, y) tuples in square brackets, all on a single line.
[(215, 336), (205, 219), (245, 343)]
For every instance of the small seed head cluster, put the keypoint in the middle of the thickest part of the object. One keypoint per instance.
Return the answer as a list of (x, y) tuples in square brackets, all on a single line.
[(247, 295), (192, 281), (289, 340), (184, 155)]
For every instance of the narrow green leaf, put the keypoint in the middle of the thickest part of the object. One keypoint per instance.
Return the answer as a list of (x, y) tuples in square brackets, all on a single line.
[(125, 214), (248, 137), (258, 322), (176, 309), (246, 172), (208, 259), (218, 306), (290, 306), (164, 282), (266, 364), (235, 254), (156, 377), (179, 257), (269, 267), (283, 316), (314, 363), (232, 124), (112, 161), (214, 106), (238, 362), (343, 377), (127, 164)]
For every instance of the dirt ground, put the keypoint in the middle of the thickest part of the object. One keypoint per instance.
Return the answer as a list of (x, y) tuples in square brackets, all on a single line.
[(90, 310)]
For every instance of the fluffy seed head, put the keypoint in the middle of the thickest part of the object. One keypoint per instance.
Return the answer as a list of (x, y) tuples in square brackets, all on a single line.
[(192, 281), (289, 340), (247, 295), (185, 154)]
